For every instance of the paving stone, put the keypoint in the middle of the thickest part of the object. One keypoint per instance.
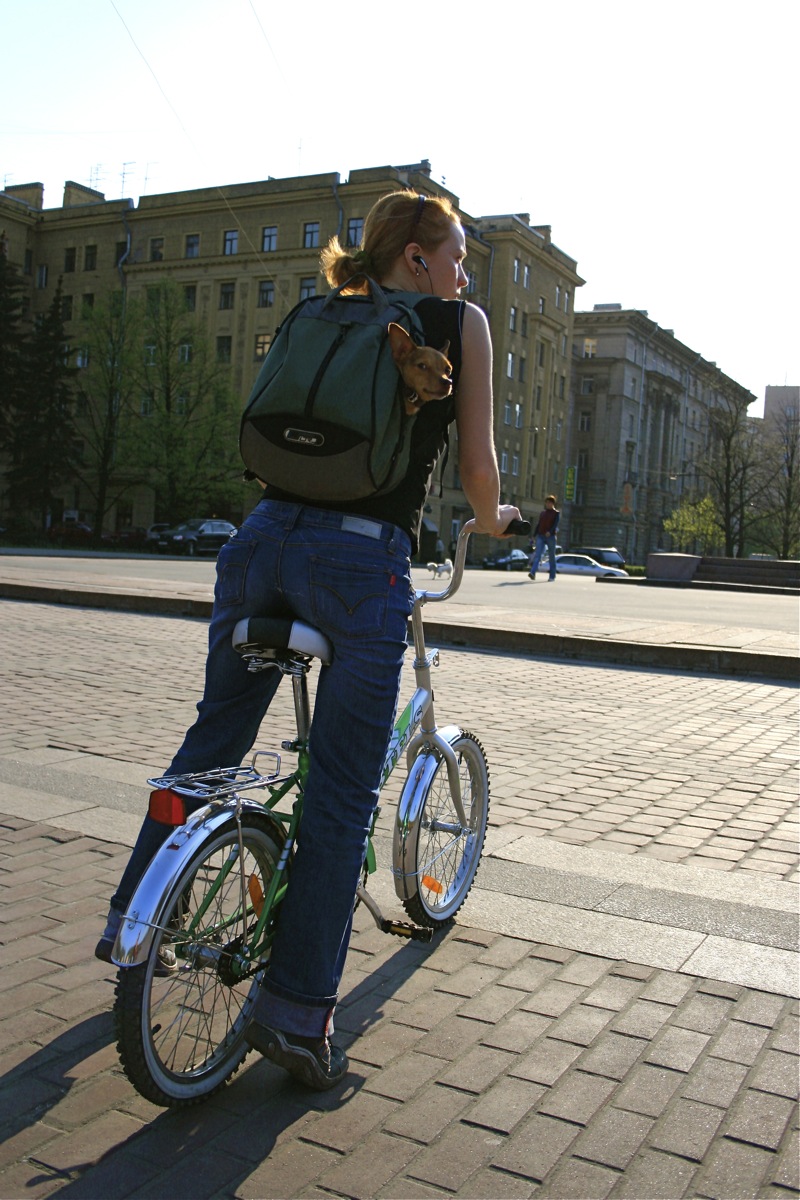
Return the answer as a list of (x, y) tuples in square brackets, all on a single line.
[(584, 971), (547, 1062), (759, 1008), (285, 1172), (368, 1167), (656, 1176), (677, 1048), (535, 1146), (613, 1055), (613, 1137), (528, 975), (576, 1179), (577, 1097), (402, 1079), (505, 952), (477, 1068), (731, 1169), (581, 1024), (345, 1127), (688, 1129), (702, 1013), (643, 1019), (491, 1184), (786, 1171), (428, 1011), (88, 1143), (491, 1004), (667, 988), (431, 1111), (787, 1034), (739, 1042), (714, 1081), (516, 1032), (759, 1118), (385, 1043), (779, 1073), (648, 1090), (457, 1154), (614, 992), (470, 980), (553, 998), (504, 1105), (451, 1037)]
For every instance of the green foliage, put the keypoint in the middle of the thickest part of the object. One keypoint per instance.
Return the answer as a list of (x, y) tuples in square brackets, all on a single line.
[(12, 343), (695, 527)]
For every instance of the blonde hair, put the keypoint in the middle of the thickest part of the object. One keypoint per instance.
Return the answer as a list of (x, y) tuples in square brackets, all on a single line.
[(392, 222)]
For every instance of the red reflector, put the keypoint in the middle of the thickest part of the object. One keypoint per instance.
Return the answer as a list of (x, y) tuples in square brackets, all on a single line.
[(167, 807)]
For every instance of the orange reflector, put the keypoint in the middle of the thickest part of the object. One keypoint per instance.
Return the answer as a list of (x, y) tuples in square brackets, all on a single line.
[(167, 807), (432, 885), (256, 893)]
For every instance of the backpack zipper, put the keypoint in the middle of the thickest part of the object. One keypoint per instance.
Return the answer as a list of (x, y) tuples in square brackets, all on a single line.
[(312, 391)]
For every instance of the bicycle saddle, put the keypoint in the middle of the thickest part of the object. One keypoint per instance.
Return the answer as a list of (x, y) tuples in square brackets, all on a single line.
[(268, 637)]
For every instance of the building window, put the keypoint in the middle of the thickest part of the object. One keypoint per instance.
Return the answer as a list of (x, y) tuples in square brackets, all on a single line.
[(585, 422), (227, 295), (541, 306), (562, 384), (558, 297), (522, 369), (540, 353), (518, 416), (589, 347), (524, 325), (150, 355), (224, 349), (516, 270), (82, 356), (515, 464), (192, 247), (583, 460), (69, 260), (566, 300), (190, 297), (308, 287), (41, 276), (526, 277), (266, 293), (185, 352), (87, 304), (90, 258), (27, 262), (355, 229), (512, 320), (539, 396), (153, 301), (66, 308), (156, 249), (181, 404), (146, 406), (563, 345), (263, 342), (587, 385), (507, 413), (558, 430), (510, 364), (311, 235), (230, 241), (120, 252), (504, 461), (472, 282), (269, 239)]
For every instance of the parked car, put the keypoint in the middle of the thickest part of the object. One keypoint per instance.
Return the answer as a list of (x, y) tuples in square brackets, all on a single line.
[(203, 535), (608, 555), (514, 560), (154, 531), (134, 538), (581, 564), (70, 533)]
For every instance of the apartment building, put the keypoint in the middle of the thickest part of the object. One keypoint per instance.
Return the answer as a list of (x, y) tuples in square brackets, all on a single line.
[(640, 402), (244, 254)]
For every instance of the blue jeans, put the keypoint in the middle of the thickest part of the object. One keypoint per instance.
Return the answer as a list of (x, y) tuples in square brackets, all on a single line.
[(544, 542), (349, 577)]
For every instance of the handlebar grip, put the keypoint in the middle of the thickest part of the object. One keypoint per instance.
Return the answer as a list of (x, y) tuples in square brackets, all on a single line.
[(520, 527)]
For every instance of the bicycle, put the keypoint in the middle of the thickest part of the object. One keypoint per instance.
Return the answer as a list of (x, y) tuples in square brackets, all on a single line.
[(212, 893)]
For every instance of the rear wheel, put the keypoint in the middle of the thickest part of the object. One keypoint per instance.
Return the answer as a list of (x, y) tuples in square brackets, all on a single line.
[(181, 1034), (446, 855)]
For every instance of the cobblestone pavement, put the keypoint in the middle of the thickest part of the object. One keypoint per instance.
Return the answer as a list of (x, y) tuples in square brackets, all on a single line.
[(486, 1065)]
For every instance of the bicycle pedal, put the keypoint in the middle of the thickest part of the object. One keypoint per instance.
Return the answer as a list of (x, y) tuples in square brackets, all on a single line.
[(403, 929)]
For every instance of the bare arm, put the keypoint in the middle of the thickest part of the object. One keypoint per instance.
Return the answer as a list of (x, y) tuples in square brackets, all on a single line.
[(474, 421)]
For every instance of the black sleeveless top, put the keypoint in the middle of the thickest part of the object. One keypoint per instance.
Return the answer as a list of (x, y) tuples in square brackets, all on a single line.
[(442, 320)]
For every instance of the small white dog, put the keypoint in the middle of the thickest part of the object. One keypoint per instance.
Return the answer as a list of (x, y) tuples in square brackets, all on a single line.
[(439, 570)]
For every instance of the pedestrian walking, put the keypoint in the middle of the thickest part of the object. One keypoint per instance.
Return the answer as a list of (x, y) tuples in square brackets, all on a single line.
[(545, 538)]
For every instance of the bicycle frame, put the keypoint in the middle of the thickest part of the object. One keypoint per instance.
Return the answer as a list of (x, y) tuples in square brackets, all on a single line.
[(414, 731)]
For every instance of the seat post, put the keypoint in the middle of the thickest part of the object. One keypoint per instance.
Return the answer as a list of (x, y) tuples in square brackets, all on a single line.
[(302, 708)]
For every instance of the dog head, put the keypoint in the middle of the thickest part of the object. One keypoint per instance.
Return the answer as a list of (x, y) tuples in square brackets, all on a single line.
[(426, 373)]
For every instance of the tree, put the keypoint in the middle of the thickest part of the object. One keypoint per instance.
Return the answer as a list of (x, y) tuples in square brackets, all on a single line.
[(43, 444), (777, 527), (695, 527), (12, 342), (106, 393), (188, 422), (731, 469)]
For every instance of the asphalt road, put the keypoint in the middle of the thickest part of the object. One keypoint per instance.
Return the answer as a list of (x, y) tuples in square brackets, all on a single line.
[(496, 589)]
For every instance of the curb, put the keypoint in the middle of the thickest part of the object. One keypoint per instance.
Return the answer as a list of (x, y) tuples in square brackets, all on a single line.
[(705, 659)]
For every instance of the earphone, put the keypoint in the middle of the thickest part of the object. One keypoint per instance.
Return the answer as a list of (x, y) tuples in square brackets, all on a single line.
[(419, 259)]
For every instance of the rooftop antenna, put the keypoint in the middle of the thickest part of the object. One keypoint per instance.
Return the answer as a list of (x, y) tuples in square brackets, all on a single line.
[(146, 174), (125, 166), (9, 175)]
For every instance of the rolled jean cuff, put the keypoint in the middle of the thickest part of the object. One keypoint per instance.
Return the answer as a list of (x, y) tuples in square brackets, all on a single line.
[(307, 1016)]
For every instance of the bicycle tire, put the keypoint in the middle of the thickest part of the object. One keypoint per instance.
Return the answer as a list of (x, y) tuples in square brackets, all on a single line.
[(180, 1036), (445, 865)]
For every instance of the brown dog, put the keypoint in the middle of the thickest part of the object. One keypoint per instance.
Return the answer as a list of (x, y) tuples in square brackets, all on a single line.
[(426, 373)]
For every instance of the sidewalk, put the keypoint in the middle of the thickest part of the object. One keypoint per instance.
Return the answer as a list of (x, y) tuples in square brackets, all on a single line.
[(614, 1014)]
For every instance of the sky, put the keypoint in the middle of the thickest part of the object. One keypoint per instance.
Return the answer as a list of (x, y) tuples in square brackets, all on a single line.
[(658, 141)]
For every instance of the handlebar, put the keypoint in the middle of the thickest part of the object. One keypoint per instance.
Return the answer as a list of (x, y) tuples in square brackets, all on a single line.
[(423, 596)]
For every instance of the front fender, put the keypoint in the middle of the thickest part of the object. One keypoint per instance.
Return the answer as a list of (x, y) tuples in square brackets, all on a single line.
[(146, 909), (420, 777)]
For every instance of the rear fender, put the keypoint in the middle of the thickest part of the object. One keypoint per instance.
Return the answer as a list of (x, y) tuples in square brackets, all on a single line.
[(146, 910)]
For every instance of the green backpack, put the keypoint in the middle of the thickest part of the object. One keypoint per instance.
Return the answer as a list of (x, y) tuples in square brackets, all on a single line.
[(325, 419)]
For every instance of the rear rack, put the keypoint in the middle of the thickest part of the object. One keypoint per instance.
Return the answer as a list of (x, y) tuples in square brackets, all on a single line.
[(222, 781)]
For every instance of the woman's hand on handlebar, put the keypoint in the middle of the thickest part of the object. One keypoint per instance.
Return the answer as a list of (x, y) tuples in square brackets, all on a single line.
[(506, 513)]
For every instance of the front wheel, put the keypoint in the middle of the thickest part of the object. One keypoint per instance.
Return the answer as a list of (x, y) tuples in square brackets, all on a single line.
[(446, 856), (180, 1034)]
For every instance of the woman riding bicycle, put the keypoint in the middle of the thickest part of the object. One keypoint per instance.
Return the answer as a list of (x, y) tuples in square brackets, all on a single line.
[(345, 569)]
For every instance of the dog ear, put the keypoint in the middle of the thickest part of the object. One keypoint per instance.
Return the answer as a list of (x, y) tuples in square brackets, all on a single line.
[(443, 349), (400, 341)]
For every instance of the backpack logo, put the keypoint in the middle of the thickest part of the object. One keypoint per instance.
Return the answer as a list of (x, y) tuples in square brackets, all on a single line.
[(303, 437)]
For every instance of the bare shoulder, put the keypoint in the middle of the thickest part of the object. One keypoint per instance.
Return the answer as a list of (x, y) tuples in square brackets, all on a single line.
[(475, 322)]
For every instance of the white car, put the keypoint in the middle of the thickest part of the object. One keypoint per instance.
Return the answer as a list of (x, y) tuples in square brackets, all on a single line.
[(579, 564)]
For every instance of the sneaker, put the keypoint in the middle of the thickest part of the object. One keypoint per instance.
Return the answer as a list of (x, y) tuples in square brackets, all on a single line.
[(531, 576), (167, 961), (552, 579), (316, 1062)]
